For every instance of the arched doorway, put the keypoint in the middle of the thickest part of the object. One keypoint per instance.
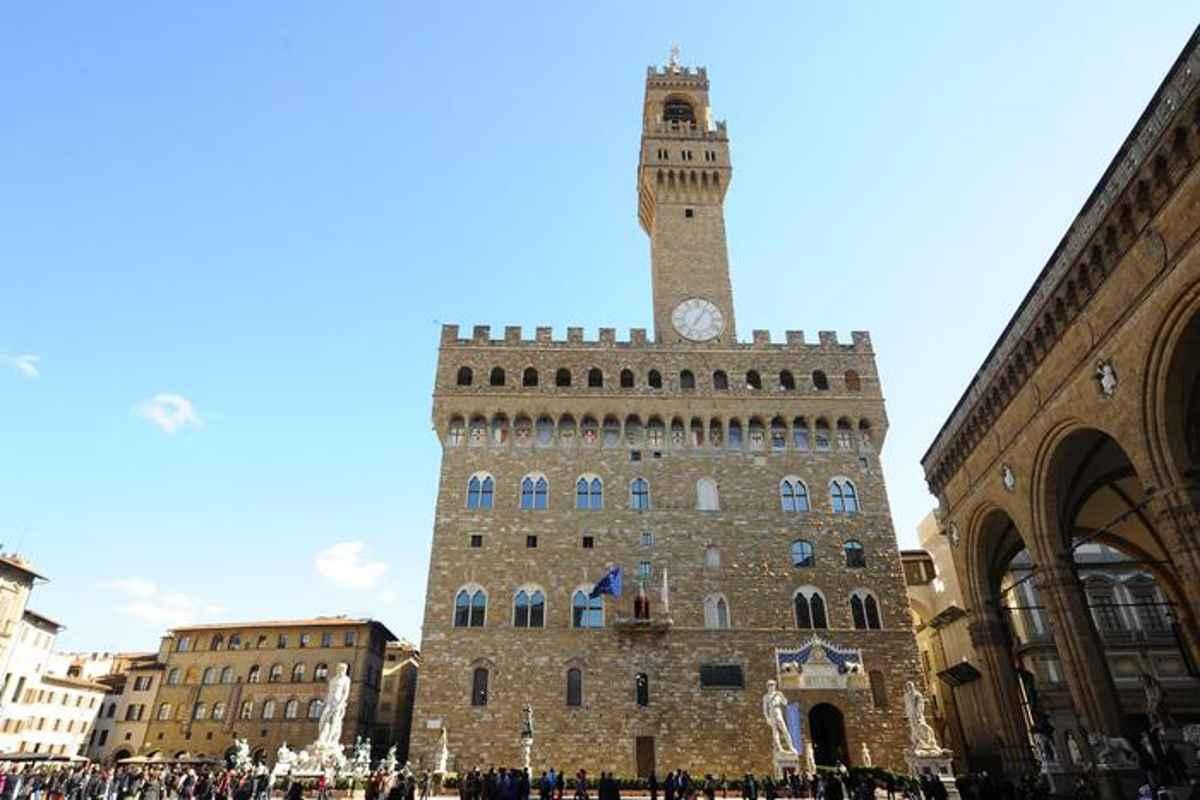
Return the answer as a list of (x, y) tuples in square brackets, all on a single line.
[(1182, 401), (120, 755), (827, 729)]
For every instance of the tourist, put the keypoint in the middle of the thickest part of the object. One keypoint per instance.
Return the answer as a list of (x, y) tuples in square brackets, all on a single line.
[(581, 787), (652, 785)]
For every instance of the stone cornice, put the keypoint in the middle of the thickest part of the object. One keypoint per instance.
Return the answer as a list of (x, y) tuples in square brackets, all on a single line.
[(1041, 317)]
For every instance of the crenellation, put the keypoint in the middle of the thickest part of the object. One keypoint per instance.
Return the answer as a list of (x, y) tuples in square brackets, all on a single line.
[(545, 335), (638, 339), (575, 335), (608, 336), (761, 337), (828, 339), (512, 334), (449, 334), (795, 338), (481, 334), (861, 340)]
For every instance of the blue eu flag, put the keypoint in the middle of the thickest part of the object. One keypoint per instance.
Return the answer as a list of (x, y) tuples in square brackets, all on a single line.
[(609, 584)]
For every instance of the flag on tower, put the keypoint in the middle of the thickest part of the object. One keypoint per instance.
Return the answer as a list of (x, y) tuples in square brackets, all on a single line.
[(609, 584)]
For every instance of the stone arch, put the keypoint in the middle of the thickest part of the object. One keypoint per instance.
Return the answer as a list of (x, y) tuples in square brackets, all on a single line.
[(1173, 383)]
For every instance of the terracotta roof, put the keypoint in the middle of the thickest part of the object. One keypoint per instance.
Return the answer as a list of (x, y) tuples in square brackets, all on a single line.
[(29, 612), (9, 561)]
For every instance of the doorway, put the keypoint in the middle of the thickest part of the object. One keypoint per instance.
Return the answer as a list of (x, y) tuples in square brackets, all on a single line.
[(828, 731), (645, 755)]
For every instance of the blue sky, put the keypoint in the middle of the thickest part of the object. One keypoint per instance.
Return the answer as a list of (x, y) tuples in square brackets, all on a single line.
[(245, 222)]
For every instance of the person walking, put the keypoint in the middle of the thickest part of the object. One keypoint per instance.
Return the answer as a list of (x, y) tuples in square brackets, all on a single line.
[(652, 785)]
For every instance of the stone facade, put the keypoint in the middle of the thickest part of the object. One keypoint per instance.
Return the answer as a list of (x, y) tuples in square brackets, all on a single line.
[(238, 680), (713, 427), (398, 690), (1082, 426), (133, 681)]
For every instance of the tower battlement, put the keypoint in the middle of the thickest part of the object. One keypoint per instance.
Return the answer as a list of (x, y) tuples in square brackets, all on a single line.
[(668, 77), (514, 336)]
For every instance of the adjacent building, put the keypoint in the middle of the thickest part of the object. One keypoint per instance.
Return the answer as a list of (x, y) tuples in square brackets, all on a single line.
[(1079, 439), (736, 483), (16, 584), (262, 681), (132, 687), (397, 693)]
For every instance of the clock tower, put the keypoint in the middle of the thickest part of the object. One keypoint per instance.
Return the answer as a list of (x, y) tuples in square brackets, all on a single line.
[(683, 172)]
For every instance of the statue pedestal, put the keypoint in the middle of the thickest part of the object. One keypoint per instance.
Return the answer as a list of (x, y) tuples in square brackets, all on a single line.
[(526, 750), (937, 763), (785, 762)]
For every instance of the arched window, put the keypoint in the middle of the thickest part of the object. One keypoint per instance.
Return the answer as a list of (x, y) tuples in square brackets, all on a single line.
[(321, 672), (544, 431), (820, 382), (707, 496), (529, 609), (298, 673), (235, 641), (626, 379), (810, 609), (842, 497), (464, 376), (574, 687), (292, 709), (218, 642), (753, 379), (275, 675), (864, 610), (496, 378), (164, 711), (821, 437), (793, 495), (778, 434), (853, 382), (720, 380), (247, 711), (534, 492), (480, 491), (210, 676), (654, 378), (218, 711), (786, 381), (479, 687), (589, 493), (595, 378), (268, 709), (677, 110), (800, 433), (562, 377), (529, 377), (639, 494), (687, 380), (469, 608), (1102, 601), (803, 554), (845, 434), (641, 689), (712, 557), (173, 676), (856, 557), (586, 612), (716, 611), (253, 675), (227, 675), (199, 711), (315, 707)]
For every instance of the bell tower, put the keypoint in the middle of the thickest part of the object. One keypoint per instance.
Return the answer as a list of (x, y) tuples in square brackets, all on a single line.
[(683, 172)]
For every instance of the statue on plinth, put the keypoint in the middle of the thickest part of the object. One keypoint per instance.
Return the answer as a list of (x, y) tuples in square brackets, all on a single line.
[(443, 755), (773, 704), (389, 761), (1156, 709), (241, 756), (284, 759), (1043, 740), (866, 755), (329, 730), (924, 740)]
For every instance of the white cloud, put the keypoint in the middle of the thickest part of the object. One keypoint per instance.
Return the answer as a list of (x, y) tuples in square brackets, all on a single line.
[(388, 597), (343, 565), (169, 412), (147, 603), (25, 364)]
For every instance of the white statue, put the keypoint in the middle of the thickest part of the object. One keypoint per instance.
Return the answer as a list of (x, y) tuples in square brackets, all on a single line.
[(241, 756), (329, 730), (810, 759), (1073, 748), (1008, 477), (443, 755), (773, 704), (361, 760), (284, 759), (1106, 376), (389, 760), (924, 740), (1112, 751), (866, 755)]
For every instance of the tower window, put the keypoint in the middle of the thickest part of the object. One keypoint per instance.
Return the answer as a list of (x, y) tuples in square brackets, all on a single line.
[(677, 109), (476, 540), (589, 542), (531, 542), (562, 377), (626, 379), (689, 213), (654, 378)]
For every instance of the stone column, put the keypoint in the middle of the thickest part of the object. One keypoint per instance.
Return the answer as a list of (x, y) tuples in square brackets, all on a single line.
[(1078, 646), (1176, 515), (991, 641)]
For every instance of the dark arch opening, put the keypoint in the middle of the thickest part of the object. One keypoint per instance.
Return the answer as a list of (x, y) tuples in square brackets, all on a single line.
[(1183, 402), (827, 728)]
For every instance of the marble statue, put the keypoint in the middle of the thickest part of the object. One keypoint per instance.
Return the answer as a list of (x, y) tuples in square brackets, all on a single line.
[(1043, 740), (443, 755), (1106, 376), (1112, 751), (241, 756), (866, 755), (1073, 748), (810, 759), (389, 761), (329, 730), (284, 759), (1156, 709), (1008, 477), (361, 759), (924, 740), (773, 704), (527, 722)]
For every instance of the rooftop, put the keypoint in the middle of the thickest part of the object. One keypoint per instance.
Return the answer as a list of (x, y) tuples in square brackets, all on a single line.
[(42, 619), (15, 561), (311, 622)]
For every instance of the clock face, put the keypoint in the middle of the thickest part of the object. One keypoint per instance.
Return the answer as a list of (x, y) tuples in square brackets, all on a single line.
[(698, 320)]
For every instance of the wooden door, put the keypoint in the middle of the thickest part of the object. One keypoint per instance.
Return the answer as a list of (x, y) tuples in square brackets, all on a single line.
[(645, 756)]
